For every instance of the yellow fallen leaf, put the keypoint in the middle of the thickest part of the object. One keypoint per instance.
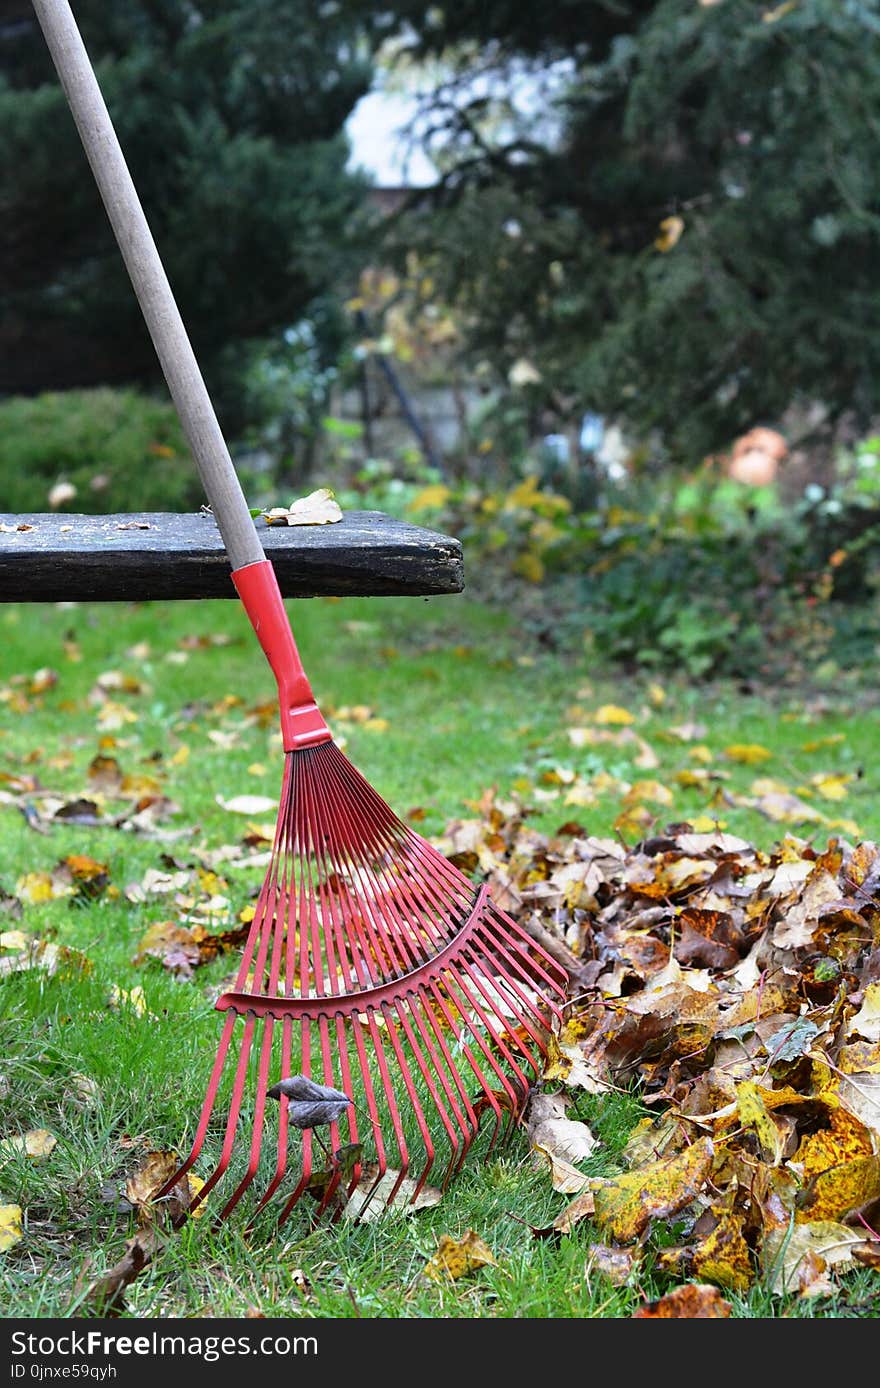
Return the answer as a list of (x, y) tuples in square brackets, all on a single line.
[(581, 793), (866, 1022), (816, 743), (669, 234), (36, 1144), (40, 886), (13, 939), (753, 1114), (831, 785), (456, 1257), (843, 1189), (723, 1256), (749, 753), (115, 715), (11, 1231), (195, 1185), (135, 998), (692, 776), (654, 791), (626, 1205), (848, 826), (613, 713), (634, 822)]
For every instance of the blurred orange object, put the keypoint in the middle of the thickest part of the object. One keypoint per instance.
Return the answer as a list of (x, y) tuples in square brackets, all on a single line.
[(756, 457)]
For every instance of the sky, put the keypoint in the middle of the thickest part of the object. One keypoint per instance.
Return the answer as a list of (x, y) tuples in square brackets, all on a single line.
[(377, 124), (375, 130)]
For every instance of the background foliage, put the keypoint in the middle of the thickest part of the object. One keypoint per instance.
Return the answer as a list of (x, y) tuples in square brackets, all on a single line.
[(231, 120), (694, 248)]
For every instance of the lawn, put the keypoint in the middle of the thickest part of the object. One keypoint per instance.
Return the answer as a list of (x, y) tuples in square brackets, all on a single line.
[(128, 737)]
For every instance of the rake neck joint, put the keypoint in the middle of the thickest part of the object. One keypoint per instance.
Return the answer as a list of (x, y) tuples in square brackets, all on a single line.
[(302, 723)]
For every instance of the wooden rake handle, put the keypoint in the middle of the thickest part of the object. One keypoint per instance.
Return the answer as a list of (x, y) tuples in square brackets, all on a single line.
[(150, 283)]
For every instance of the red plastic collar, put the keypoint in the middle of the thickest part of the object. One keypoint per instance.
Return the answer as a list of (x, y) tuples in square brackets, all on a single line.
[(302, 724)]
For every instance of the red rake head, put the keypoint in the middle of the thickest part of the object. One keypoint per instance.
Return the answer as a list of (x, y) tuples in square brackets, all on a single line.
[(372, 966)]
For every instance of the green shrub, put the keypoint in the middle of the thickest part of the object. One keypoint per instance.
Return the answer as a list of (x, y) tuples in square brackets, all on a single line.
[(699, 575), (121, 450)]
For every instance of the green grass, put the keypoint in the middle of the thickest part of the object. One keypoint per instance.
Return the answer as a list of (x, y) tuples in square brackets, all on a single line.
[(458, 704)]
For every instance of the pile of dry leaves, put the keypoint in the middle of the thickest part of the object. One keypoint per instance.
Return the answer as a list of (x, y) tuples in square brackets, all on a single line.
[(739, 992)]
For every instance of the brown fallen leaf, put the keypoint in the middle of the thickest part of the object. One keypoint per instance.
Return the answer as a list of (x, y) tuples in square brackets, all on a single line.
[(375, 1196), (694, 1301), (457, 1257), (617, 1264), (143, 1185), (785, 1249), (813, 1279), (868, 1254), (582, 1207), (564, 1176), (106, 1295), (181, 948), (549, 1128)]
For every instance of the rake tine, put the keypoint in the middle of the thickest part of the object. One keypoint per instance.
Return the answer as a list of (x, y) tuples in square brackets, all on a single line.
[(257, 1131), (505, 987), (411, 1090), (238, 1089), (306, 1172), (472, 1061), (458, 1137), (204, 1118), (388, 1089), (485, 1019), (281, 1162)]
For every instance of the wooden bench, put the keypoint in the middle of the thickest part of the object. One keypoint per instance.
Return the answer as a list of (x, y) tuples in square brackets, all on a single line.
[(55, 557)]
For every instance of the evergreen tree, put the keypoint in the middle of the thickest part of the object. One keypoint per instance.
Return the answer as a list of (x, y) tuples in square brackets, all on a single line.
[(698, 245), (230, 116)]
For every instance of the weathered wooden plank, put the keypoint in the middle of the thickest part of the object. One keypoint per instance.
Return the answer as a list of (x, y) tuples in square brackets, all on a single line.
[(133, 558)]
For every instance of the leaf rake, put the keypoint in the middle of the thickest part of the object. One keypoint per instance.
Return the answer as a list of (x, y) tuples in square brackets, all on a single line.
[(374, 969)]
